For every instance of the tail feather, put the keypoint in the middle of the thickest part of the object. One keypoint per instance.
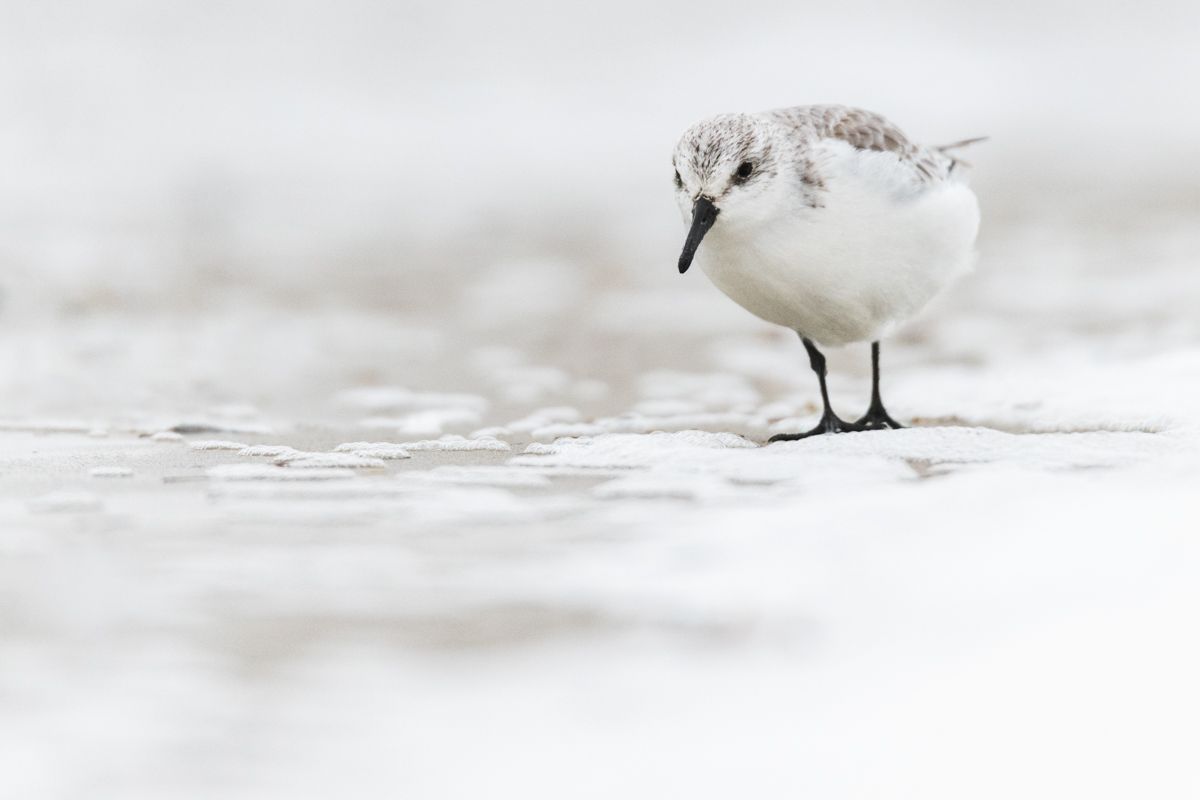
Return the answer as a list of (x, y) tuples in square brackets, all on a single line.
[(945, 148), (964, 143)]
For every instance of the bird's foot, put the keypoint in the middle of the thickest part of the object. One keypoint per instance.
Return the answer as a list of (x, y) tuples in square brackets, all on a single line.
[(830, 423), (876, 419)]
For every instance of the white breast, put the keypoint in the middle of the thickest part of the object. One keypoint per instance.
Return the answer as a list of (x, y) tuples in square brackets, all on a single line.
[(876, 252)]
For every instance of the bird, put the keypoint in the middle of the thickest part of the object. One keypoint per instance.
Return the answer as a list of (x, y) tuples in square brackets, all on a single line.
[(829, 221)]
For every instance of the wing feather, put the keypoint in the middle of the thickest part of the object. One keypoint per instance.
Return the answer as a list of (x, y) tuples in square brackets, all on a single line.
[(866, 130)]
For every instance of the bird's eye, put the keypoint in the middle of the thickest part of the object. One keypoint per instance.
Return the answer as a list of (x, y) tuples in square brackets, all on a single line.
[(678, 180), (744, 170)]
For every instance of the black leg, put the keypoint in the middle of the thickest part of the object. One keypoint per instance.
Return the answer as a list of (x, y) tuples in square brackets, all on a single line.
[(877, 417), (830, 422)]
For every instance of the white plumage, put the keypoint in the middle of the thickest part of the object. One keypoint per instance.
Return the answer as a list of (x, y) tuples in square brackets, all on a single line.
[(876, 242)]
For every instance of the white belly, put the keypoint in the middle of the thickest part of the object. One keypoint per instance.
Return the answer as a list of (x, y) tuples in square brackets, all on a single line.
[(852, 270)]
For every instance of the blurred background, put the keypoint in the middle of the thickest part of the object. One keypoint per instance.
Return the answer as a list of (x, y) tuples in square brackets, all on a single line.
[(276, 221), (471, 170)]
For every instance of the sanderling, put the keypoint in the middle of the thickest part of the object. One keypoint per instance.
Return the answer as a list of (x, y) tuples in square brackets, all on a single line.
[(826, 220)]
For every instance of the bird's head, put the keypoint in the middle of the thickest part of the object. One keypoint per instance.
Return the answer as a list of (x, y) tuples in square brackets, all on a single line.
[(726, 166)]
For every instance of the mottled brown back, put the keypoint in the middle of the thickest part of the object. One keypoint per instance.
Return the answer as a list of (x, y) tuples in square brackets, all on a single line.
[(864, 130)]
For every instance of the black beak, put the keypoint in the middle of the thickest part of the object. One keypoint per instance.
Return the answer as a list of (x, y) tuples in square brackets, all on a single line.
[(704, 214)]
